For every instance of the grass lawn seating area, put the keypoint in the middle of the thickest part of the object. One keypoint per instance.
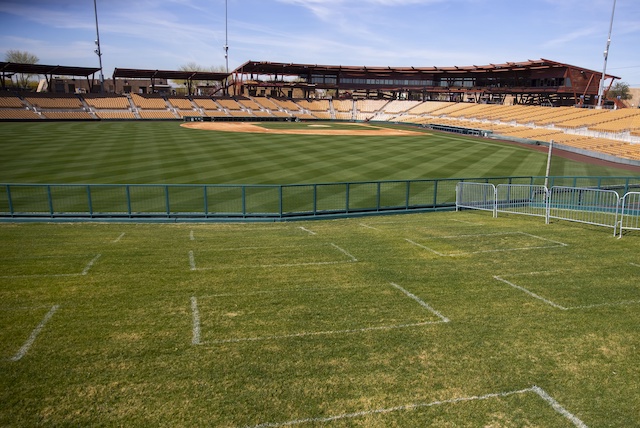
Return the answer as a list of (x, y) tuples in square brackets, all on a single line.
[(439, 319)]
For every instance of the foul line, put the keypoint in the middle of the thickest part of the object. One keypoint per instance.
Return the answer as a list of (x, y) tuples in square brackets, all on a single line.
[(34, 334), (58, 275), (191, 236), (534, 389), (557, 306), (634, 264), (115, 241), (195, 339)]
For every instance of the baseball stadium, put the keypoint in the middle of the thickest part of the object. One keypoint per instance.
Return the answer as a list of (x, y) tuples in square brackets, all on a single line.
[(314, 245)]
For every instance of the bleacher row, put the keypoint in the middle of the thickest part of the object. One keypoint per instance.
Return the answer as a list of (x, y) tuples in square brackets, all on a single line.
[(604, 131)]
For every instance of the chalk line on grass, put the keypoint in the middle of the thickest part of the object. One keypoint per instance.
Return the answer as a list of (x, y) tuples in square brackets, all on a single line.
[(34, 334), (310, 232), (505, 233), (562, 244), (115, 241), (191, 236), (442, 319), (421, 302), (85, 271), (530, 293), (369, 227), (195, 333), (467, 222), (534, 389), (288, 291), (556, 244), (352, 259), (635, 264), (90, 264), (556, 305), (557, 407), (321, 333), (427, 248)]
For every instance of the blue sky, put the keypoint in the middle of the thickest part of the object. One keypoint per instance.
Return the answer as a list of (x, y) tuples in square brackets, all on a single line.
[(167, 34)]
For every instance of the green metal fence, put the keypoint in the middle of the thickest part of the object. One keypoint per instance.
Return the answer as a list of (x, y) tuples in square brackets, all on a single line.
[(254, 202)]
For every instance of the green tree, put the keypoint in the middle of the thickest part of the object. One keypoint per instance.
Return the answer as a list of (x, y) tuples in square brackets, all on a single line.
[(619, 90), (21, 57)]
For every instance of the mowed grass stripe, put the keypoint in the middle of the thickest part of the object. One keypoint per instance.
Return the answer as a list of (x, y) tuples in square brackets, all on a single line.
[(164, 152)]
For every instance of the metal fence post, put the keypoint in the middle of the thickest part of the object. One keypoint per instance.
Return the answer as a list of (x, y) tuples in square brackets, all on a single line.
[(166, 200), (244, 201), (435, 193), (315, 199), (128, 193), (9, 199), (50, 200), (407, 194), (281, 202), (89, 201), (347, 197), (206, 202)]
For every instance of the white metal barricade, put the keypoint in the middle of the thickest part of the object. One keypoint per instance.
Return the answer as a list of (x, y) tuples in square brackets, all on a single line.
[(476, 196), (592, 206), (522, 199), (630, 212)]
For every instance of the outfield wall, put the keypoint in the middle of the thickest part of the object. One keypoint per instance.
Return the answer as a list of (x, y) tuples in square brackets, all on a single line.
[(154, 202)]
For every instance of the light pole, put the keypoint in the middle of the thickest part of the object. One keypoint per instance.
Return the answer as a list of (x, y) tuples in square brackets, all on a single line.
[(226, 36), (606, 55), (97, 50)]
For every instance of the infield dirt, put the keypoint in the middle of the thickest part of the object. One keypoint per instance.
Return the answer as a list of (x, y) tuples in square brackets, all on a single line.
[(358, 129)]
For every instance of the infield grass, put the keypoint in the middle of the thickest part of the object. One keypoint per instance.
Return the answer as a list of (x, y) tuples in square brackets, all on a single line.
[(333, 323), (165, 153)]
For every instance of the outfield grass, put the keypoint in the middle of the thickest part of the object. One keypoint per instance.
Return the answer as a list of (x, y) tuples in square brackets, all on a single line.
[(165, 153), (440, 319)]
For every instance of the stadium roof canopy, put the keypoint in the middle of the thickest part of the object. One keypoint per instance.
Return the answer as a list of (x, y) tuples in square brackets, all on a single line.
[(47, 70), (132, 73), (532, 81), (8, 69), (188, 76), (291, 69)]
